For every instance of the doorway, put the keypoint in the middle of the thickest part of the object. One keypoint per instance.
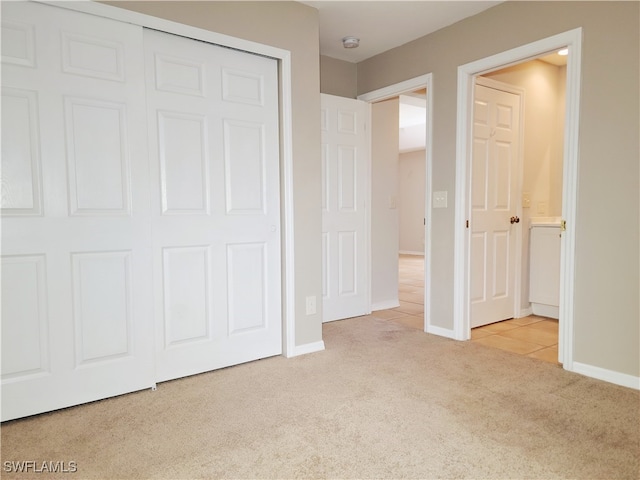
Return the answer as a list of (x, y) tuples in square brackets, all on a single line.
[(422, 83), (529, 325), (467, 74)]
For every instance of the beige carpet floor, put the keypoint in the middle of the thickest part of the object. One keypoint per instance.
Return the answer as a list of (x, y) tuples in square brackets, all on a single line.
[(382, 401)]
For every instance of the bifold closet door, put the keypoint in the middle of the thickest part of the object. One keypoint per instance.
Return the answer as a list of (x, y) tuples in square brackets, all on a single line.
[(214, 145), (76, 257)]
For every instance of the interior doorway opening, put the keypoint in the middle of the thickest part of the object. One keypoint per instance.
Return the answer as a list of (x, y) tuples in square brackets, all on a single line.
[(466, 78), (531, 327), (417, 90)]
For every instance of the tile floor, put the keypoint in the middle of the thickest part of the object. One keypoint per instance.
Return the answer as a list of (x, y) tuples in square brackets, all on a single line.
[(532, 336)]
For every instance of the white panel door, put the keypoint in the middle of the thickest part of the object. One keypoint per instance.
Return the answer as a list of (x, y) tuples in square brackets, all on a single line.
[(496, 130), (345, 166), (215, 204), (76, 262)]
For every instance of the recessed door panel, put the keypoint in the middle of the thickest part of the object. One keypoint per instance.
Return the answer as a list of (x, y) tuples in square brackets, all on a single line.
[(102, 309), (244, 164), (21, 172), (179, 75), (347, 194), (503, 163), (501, 264), (187, 287), (92, 57), (97, 157), (348, 256), (246, 271), (184, 173), (25, 349), (478, 267), (242, 87), (18, 43)]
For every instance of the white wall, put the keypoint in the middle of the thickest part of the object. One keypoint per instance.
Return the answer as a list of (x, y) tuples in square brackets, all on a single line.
[(411, 200), (384, 201)]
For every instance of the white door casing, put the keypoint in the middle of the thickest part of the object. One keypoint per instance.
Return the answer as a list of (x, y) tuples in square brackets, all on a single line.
[(213, 141), (76, 263), (494, 195), (345, 226)]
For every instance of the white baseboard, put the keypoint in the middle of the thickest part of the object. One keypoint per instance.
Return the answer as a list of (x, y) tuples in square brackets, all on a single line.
[(306, 348), (441, 332), (550, 311), (525, 312), (386, 305), (610, 376), (411, 252)]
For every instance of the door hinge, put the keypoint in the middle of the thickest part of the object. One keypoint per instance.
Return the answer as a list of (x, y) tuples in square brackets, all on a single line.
[(467, 225), (563, 225)]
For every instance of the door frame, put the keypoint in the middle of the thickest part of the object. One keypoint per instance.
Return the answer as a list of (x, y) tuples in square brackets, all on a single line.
[(466, 78), (289, 348), (407, 86), (520, 92)]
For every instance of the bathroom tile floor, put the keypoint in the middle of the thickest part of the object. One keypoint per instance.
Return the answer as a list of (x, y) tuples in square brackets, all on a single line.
[(532, 336)]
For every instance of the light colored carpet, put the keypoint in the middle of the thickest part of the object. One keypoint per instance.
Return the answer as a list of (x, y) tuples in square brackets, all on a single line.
[(382, 401)]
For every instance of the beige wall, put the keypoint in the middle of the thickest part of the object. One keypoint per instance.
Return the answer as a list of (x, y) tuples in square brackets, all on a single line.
[(384, 215), (412, 174), (607, 313), (338, 77), (291, 26)]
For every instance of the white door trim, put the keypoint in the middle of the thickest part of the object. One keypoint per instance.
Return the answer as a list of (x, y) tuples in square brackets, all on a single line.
[(393, 91), (286, 161), (505, 87), (466, 73)]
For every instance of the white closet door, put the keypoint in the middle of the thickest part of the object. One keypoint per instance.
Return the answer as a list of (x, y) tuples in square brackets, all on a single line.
[(213, 129), (76, 262)]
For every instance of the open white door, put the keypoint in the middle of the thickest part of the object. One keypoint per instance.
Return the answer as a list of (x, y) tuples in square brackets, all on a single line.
[(345, 179), (496, 134)]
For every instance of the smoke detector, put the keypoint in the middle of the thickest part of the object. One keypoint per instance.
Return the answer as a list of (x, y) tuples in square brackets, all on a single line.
[(350, 42)]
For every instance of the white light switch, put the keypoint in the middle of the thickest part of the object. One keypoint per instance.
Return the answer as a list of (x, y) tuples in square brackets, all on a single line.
[(392, 202), (311, 305), (440, 199), (526, 200)]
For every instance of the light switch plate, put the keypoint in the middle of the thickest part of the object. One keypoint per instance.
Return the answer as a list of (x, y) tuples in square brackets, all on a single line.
[(526, 200), (440, 199), (311, 305)]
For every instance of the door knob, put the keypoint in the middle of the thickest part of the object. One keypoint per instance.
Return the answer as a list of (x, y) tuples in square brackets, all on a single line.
[(514, 220)]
